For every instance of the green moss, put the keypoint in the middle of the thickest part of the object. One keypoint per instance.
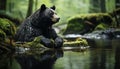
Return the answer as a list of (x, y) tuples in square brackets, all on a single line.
[(2, 36), (77, 42), (35, 42), (84, 41), (9, 30), (77, 23), (7, 26), (101, 26), (74, 25)]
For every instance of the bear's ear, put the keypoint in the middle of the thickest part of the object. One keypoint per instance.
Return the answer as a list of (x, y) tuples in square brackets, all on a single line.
[(43, 7), (53, 7)]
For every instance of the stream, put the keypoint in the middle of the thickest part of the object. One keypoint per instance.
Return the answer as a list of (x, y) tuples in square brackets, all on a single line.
[(103, 54)]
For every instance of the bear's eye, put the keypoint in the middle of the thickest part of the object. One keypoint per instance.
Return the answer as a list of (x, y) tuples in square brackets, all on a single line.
[(51, 13)]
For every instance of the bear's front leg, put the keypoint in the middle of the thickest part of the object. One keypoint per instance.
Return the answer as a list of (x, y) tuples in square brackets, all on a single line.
[(58, 42), (47, 42)]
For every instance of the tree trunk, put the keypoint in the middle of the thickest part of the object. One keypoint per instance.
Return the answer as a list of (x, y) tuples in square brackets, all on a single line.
[(36, 3), (3, 5), (11, 6), (30, 7), (94, 6), (116, 14), (102, 5), (117, 5)]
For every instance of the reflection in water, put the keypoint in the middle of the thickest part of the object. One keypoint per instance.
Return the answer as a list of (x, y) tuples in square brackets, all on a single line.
[(44, 59), (104, 55), (99, 59), (117, 57)]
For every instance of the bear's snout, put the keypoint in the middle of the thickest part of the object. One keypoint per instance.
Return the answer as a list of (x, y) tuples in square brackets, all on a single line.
[(55, 19), (58, 19)]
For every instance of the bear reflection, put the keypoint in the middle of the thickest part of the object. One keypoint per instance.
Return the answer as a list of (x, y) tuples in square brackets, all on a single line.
[(44, 60)]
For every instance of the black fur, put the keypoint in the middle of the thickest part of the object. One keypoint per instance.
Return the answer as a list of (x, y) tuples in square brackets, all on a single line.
[(39, 24)]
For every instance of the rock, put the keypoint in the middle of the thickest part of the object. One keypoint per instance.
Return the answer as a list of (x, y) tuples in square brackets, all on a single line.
[(104, 34), (85, 23)]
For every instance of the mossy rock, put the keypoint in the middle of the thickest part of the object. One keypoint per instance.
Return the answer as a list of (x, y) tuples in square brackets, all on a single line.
[(7, 26), (2, 36), (7, 31), (78, 23), (78, 42), (74, 26)]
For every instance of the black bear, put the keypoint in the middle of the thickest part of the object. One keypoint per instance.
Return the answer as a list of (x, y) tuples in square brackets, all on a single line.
[(40, 24)]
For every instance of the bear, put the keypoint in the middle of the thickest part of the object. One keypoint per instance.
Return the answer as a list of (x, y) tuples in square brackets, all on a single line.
[(39, 24)]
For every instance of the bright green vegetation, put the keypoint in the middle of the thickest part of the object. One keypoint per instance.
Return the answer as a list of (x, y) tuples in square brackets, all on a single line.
[(65, 8), (76, 43)]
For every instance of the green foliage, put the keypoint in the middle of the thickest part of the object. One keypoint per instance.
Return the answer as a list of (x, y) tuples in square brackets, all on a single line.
[(65, 8), (68, 8), (16, 7), (110, 5)]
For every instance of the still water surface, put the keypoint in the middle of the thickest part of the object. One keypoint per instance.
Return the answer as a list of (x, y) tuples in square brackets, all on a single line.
[(104, 55)]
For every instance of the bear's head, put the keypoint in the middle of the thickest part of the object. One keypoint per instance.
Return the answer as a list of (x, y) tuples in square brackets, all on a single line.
[(49, 15)]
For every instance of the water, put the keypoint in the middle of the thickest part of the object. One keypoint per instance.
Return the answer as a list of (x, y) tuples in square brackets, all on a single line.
[(104, 54)]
